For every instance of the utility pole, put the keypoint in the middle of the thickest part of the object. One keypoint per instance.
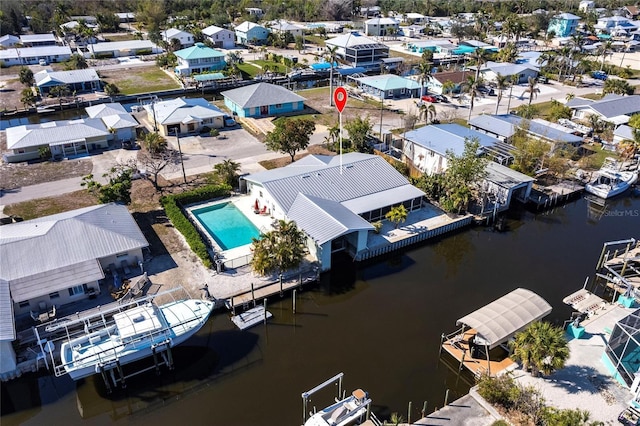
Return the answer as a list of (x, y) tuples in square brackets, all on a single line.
[(184, 175)]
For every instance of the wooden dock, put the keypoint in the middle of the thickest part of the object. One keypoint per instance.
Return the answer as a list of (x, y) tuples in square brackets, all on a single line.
[(544, 197), (257, 294), (458, 347)]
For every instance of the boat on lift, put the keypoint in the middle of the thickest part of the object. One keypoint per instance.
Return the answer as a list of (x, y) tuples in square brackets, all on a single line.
[(609, 181), (133, 334), (347, 411)]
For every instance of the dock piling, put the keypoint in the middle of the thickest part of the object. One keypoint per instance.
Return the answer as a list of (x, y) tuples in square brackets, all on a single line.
[(424, 409), (253, 295), (446, 398), (294, 300), (265, 310), (409, 413)]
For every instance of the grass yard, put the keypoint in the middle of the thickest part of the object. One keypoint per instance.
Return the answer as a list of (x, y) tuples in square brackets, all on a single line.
[(279, 67), (48, 206), (315, 39), (121, 37), (137, 80), (248, 70)]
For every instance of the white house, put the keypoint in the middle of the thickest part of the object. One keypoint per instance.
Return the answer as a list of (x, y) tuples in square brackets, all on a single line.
[(334, 200), (115, 49), (33, 55), (65, 139), (120, 124), (60, 260), (586, 6), (35, 40), (79, 81), (519, 73), (9, 40), (281, 26), (359, 51), (220, 37), (381, 27), (184, 115), (185, 38), (614, 109), (198, 58)]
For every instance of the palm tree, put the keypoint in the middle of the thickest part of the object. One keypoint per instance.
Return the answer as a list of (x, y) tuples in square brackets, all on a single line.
[(502, 82), (60, 92), (27, 98), (278, 250), (331, 54), (155, 143), (448, 87), (480, 57), (541, 347), (227, 172), (397, 214), (532, 88), (424, 69), (604, 50), (470, 87), (426, 112)]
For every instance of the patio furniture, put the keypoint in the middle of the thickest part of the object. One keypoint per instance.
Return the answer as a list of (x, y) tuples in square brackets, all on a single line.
[(125, 268)]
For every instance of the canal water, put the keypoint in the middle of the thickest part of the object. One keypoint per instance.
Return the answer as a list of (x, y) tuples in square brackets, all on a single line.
[(379, 323)]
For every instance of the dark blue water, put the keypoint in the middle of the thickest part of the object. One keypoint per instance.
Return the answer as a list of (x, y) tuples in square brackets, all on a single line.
[(378, 323)]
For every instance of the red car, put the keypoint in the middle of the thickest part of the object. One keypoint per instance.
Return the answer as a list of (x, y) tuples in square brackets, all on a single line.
[(429, 98)]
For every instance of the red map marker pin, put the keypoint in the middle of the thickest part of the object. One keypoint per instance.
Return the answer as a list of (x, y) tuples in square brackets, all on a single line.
[(340, 98)]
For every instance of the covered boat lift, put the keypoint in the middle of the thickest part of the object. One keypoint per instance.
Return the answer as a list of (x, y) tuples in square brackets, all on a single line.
[(494, 324)]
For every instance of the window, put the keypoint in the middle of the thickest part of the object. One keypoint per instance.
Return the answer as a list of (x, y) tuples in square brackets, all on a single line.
[(54, 295), (73, 291), (278, 105), (24, 304), (121, 255)]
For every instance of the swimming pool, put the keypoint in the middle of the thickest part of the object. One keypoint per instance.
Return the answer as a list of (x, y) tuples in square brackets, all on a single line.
[(226, 225)]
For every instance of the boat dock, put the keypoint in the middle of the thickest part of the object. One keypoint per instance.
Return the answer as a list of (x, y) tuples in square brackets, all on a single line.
[(546, 197), (251, 317), (459, 347)]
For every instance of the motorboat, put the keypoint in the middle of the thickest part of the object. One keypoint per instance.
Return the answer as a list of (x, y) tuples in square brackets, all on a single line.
[(347, 411), (609, 182), (133, 334)]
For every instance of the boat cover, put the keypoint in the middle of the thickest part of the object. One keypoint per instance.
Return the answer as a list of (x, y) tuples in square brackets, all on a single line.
[(502, 318)]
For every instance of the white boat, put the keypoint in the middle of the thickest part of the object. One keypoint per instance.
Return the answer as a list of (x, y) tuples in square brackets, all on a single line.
[(136, 333), (609, 182), (348, 411)]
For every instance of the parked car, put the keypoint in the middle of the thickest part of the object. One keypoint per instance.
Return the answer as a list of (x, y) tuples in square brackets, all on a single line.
[(543, 79), (599, 75), (229, 122), (429, 98), (487, 91), (442, 98)]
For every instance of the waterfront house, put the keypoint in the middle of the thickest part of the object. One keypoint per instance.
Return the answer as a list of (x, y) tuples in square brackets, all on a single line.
[(116, 49), (9, 40), (198, 59), (78, 81), (614, 109), (281, 27), (357, 50), (184, 115), (381, 27), (220, 37), (262, 99), (563, 24), (333, 199), (60, 260), (623, 133), (615, 26), (185, 38), (503, 185), (33, 55), (120, 124), (389, 86), (35, 40), (65, 139), (251, 33)]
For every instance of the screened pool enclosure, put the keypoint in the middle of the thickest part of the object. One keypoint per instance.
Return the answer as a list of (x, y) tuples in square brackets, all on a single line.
[(623, 348)]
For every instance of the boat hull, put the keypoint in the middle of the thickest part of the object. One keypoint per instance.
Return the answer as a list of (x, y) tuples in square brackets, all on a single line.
[(610, 184), (116, 352)]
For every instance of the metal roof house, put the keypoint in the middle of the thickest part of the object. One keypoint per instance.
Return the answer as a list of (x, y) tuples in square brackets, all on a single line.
[(34, 40), (359, 51), (32, 55), (281, 26), (220, 37), (121, 124), (389, 86), (84, 80), (522, 71), (60, 259), (9, 40), (185, 38), (262, 99), (334, 200), (117, 49), (615, 109), (250, 33), (381, 27), (197, 59), (184, 115), (65, 139)]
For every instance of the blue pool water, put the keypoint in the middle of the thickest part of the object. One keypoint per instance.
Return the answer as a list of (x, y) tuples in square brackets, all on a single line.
[(226, 225)]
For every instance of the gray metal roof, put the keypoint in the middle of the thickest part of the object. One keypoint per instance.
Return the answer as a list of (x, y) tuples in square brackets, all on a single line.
[(624, 131), (39, 38), (389, 197), (502, 318), (54, 132), (180, 109), (504, 176), (610, 107), (541, 129), (261, 94), (63, 240), (36, 52), (324, 220), (493, 124), (49, 78), (113, 46), (105, 110), (362, 175), (7, 326), (441, 138), (113, 115)]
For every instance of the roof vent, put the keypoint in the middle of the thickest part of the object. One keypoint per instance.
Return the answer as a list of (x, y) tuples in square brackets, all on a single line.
[(305, 176)]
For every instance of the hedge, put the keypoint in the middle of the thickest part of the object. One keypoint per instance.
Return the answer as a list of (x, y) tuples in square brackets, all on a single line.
[(175, 214)]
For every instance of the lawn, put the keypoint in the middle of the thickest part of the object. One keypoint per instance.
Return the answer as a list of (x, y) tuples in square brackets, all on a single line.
[(315, 39), (121, 37), (248, 70), (137, 80), (280, 67)]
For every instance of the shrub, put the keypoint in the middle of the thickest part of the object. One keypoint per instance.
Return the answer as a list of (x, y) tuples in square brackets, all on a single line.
[(502, 390), (175, 214), (214, 132), (377, 226)]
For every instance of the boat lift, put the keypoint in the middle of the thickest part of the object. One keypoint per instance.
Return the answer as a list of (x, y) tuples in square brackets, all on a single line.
[(305, 395)]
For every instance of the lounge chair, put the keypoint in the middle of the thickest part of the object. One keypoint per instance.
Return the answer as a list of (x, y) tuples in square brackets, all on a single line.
[(125, 268), (264, 211)]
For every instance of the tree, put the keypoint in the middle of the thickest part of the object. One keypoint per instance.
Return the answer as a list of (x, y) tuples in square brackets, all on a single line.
[(60, 92), (117, 188), (470, 87), (558, 111), (397, 215), (227, 172), (27, 98), (530, 153), (358, 130), (532, 88), (618, 86), (299, 43), (424, 70), (26, 76), (154, 143), (480, 57), (541, 347), (527, 111), (331, 55), (76, 62), (290, 135), (278, 250), (154, 164), (111, 89), (502, 82)]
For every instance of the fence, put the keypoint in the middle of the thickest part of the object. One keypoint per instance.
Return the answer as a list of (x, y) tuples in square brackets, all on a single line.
[(390, 247)]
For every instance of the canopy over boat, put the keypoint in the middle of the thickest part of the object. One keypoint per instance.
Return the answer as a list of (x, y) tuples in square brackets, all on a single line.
[(504, 317)]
